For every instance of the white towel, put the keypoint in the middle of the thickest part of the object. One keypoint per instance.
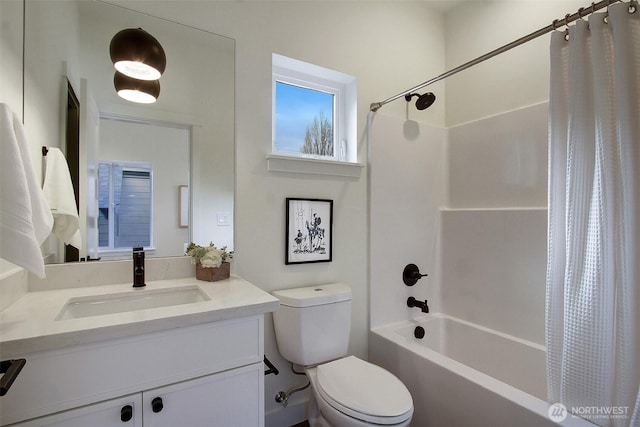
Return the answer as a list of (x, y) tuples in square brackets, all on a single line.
[(25, 218), (58, 190)]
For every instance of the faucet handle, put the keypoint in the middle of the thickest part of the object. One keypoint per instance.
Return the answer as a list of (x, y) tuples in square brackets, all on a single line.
[(411, 274), (138, 267)]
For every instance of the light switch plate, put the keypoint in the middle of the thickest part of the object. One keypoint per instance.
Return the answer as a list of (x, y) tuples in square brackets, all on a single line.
[(225, 218)]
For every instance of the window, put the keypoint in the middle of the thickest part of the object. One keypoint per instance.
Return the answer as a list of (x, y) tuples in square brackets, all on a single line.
[(124, 201), (314, 111), (304, 120)]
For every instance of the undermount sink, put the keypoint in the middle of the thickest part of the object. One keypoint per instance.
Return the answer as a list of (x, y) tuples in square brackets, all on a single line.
[(80, 307)]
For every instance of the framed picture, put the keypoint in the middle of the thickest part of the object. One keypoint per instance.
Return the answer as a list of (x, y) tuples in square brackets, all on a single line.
[(309, 230)]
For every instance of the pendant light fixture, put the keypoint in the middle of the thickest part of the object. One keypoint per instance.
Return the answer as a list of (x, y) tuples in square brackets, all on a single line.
[(136, 53), (135, 90)]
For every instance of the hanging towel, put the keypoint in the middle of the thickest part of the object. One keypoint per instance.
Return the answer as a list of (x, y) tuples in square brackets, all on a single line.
[(25, 218), (58, 190)]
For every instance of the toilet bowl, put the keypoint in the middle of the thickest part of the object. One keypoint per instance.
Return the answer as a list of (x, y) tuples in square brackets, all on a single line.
[(350, 392)]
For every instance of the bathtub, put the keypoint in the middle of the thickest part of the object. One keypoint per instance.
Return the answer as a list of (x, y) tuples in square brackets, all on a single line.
[(461, 374)]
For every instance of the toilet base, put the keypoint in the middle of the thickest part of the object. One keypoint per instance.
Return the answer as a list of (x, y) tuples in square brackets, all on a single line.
[(314, 416), (318, 408)]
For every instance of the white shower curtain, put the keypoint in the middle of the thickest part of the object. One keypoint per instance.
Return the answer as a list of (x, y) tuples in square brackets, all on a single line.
[(593, 267)]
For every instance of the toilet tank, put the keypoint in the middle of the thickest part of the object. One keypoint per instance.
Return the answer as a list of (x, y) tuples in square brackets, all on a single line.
[(313, 323)]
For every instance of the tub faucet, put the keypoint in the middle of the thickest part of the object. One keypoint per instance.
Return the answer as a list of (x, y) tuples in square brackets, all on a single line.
[(138, 267), (411, 274), (412, 302)]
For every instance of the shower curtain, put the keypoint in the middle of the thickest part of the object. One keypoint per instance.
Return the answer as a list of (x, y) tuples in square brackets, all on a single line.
[(593, 266)]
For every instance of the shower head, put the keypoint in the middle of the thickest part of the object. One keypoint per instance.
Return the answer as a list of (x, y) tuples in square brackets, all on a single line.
[(424, 101)]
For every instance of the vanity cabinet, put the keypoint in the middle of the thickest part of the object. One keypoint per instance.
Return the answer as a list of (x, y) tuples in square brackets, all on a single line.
[(219, 400), (209, 374)]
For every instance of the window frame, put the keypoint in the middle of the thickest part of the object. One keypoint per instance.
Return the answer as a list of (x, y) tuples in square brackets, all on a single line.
[(341, 86), (132, 166)]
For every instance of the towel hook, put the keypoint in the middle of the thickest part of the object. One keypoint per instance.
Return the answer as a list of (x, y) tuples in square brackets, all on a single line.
[(45, 150)]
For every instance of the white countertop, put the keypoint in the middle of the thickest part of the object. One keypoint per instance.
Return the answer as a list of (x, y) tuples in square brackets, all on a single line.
[(28, 325)]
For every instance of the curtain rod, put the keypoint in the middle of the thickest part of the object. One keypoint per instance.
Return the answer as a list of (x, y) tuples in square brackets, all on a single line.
[(557, 23)]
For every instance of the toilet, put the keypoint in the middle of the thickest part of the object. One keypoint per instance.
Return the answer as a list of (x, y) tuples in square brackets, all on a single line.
[(312, 330)]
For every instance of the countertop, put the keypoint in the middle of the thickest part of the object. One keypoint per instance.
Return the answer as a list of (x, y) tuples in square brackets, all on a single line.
[(28, 325)]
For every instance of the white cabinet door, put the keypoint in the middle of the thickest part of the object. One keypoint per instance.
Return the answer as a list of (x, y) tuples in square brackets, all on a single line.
[(231, 398), (123, 411)]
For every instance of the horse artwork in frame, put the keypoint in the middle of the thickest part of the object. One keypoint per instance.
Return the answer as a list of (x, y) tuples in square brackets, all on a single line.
[(309, 230)]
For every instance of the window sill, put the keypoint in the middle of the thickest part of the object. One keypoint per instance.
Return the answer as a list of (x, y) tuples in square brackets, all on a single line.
[(119, 254), (279, 163)]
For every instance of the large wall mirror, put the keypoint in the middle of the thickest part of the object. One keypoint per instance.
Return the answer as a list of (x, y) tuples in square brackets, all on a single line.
[(179, 150)]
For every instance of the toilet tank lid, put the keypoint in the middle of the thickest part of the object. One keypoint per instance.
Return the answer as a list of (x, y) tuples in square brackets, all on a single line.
[(314, 295)]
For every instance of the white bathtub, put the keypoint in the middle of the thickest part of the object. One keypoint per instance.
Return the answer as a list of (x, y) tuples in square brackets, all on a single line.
[(461, 374)]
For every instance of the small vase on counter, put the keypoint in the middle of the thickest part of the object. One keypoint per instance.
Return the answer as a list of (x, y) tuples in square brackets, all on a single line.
[(212, 274)]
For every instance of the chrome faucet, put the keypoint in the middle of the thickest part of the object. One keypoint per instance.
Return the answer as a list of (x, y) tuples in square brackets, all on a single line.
[(138, 267)]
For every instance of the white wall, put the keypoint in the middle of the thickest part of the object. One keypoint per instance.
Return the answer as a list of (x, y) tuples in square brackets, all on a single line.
[(11, 53), (45, 84), (11, 46), (11, 81), (512, 80)]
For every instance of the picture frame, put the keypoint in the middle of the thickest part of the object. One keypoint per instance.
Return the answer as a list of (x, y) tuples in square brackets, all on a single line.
[(309, 230)]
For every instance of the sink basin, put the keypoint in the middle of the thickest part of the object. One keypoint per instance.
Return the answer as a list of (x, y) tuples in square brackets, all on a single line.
[(80, 307)]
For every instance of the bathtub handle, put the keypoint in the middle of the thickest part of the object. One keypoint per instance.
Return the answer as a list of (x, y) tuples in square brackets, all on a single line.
[(411, 274), (412, 302)]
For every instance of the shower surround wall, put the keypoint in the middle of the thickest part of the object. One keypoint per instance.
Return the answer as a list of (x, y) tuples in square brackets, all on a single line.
[(494, 232), (468, 206), (406, 173)]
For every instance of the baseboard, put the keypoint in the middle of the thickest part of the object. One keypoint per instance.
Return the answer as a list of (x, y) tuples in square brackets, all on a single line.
[(293, 414)]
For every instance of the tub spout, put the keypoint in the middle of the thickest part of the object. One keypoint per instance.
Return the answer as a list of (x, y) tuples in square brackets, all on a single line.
[(412, 302)]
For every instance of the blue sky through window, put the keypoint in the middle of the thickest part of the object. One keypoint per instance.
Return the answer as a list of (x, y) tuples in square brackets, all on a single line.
[(296, 108)]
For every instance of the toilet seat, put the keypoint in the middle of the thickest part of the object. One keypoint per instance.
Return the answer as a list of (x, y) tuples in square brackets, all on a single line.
[(364, 391)]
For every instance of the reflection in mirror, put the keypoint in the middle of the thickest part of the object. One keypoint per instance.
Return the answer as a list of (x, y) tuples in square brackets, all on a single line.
[(133, 151), (133, 194)]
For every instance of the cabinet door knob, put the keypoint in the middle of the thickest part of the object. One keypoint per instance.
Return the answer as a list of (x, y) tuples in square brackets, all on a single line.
[(126, 413), (156, 404)]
